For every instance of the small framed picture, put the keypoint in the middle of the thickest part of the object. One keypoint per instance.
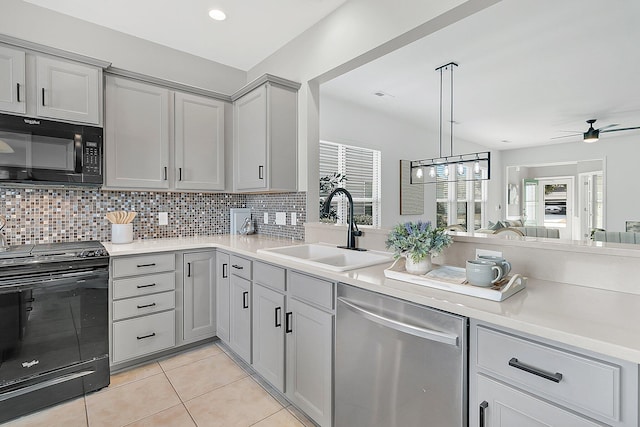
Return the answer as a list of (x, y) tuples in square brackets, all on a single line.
[(633, 226)]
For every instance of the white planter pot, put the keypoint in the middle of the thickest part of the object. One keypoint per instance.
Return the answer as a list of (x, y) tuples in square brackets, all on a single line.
[(421, 267)]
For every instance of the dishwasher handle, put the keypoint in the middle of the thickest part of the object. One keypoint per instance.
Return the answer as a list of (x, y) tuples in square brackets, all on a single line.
[(429, 334)]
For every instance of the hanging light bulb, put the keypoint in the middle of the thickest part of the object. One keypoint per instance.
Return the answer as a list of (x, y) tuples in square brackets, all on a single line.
[(419, 173), (446, 171), (476, 165), (460, 167), (432, 172)]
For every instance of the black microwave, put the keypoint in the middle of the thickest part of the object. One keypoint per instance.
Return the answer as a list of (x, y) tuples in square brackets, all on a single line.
[(37, 151)]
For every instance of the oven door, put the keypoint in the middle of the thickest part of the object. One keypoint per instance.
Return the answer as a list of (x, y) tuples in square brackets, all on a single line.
[(51, 322)]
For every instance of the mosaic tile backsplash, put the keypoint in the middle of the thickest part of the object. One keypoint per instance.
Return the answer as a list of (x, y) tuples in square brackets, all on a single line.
[(50, 215)]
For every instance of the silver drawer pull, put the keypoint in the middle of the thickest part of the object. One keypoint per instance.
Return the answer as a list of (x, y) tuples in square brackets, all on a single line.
[(145, 286), (146, 336), (237, 267), (153, 264), (556, 378), (153, 304)]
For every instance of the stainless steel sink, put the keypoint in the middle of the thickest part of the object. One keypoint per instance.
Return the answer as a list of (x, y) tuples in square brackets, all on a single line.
[(328, 256)]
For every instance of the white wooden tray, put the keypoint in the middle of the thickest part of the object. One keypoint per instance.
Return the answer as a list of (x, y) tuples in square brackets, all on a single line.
[(454, 279)]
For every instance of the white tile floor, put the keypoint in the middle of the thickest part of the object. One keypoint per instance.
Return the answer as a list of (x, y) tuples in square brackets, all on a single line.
[(202, 387)]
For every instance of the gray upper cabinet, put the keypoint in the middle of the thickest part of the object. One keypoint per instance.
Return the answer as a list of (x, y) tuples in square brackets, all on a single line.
[(12, 80), (265, 139), (68, 91), (156, 138), (199, 295), (50, 87), (136, 134), (199, 143)]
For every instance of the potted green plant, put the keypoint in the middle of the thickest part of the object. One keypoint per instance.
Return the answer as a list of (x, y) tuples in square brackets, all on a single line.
[(417, 242)]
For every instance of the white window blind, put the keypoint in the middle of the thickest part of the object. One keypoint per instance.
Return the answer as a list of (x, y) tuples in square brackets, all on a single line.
[(361, 166)]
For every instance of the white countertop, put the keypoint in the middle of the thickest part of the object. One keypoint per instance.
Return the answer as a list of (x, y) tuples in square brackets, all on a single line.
[(603, 321)]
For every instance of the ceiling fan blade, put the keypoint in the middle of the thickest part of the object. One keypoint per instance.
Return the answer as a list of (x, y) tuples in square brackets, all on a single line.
[(617, 130), (607, 127), (567, 136)]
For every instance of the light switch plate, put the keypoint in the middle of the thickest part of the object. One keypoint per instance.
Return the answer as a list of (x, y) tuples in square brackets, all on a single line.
[(266, 217), (488, 253), (294, 218), (281, 218), (163, 218)]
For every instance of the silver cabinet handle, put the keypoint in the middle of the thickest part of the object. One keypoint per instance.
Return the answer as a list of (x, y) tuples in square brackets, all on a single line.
[(164, 173), (18, 92), (442, 337), (556, 378), (43, 97), (179, 174), (260, 172)]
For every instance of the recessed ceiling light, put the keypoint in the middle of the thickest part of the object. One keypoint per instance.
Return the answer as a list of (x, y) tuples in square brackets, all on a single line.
[(217, 15)]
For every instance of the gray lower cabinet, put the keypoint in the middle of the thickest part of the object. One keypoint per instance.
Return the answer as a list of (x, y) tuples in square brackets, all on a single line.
[(309, 327), (199, 295), (240, 307), (522, 380), (222, 296), (268, 334), (143, 302)]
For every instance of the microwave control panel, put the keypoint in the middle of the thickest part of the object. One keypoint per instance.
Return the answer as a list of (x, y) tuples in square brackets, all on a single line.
[(91, 158)]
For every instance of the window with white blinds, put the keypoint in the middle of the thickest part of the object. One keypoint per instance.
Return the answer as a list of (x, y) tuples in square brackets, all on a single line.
[(361, 167)]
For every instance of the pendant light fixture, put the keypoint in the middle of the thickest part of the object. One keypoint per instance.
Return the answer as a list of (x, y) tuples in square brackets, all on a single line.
[(468, 167)]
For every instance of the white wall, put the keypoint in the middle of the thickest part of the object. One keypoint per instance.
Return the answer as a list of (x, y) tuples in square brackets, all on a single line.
[(620, 153), (347, 123), (356, 33), (39, 25)]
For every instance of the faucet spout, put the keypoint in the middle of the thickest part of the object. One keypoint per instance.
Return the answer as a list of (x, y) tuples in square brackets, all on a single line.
[(352, 228)]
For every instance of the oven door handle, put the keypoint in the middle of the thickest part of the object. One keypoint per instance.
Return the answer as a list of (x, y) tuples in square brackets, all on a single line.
[(69, 280)]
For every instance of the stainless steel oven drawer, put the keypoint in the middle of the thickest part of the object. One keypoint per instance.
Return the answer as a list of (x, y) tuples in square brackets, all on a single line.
[(143, 264), (143, 285), (143, 335), (146, 304)]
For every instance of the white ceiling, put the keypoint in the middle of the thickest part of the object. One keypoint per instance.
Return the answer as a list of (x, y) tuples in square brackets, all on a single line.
[(528, 71), (253, 30)]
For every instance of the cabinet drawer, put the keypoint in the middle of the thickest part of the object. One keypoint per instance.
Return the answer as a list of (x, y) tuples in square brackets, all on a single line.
[(143, 285), (143, 335), (145, 304), (311, 289), (144, 264), (269, 275), (241, 267), (579, 382)]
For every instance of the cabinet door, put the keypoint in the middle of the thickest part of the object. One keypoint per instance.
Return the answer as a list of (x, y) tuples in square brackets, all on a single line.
[(12, 80), (268, 335), (309, 355), (136, 134), (240, 317), (222, 296), (68, 91), (503, 406), (199, 143), (250, 135), (199, 295)]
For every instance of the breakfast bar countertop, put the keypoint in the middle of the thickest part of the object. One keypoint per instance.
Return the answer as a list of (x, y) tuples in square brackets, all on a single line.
[(603, 321)]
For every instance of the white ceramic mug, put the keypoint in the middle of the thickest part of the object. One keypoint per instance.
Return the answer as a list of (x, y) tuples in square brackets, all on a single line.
[(483, 273), (122, 233), (503, 263)]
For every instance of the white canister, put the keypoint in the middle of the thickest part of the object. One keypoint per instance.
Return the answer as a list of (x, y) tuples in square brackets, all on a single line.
[(122, 233)]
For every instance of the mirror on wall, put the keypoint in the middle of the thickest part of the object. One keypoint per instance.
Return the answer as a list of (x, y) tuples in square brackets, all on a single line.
[(526, 85)]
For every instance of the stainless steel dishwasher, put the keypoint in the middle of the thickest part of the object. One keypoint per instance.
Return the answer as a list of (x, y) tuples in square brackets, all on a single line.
[(398, 364)]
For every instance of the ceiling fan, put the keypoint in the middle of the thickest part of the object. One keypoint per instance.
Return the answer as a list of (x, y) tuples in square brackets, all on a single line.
[(592, 135)]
